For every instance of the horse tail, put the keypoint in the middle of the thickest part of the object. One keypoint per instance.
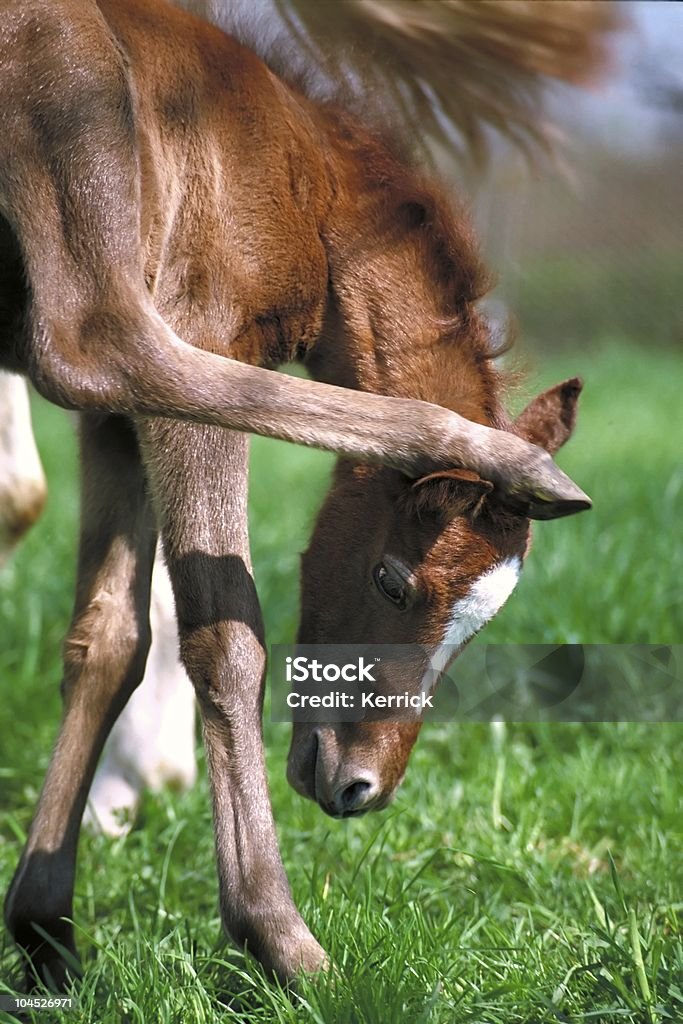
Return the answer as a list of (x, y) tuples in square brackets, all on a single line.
[(448, 71)]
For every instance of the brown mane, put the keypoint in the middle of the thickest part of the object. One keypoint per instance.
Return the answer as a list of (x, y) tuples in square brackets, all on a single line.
[(405, 198), (405, 279)]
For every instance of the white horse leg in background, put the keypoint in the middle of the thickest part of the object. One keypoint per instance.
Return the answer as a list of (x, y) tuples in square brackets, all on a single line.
[(153, 741), (22, 481)]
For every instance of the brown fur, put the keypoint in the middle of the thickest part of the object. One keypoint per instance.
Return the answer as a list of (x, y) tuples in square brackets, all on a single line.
[(158, 182)]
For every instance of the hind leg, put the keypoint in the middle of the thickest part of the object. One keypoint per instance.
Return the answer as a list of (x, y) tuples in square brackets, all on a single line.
[(104, 661), (153, 742)]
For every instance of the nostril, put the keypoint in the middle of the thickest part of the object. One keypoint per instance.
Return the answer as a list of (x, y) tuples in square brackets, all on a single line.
[(354, 796), (355, 793)]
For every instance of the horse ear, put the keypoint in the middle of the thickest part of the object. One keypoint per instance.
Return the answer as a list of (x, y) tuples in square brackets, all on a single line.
[(549, 419), (452, 492)]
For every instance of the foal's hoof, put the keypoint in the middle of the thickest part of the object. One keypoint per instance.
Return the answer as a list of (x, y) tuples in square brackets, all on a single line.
[(306, 957), (49, 962), (52, 972), (313, 958)]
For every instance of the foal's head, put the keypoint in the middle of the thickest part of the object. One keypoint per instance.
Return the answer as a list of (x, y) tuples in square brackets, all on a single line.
[(397, 561), (400, 561)]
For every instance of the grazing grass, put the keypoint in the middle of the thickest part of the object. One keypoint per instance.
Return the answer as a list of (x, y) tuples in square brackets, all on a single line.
[(527, 873)]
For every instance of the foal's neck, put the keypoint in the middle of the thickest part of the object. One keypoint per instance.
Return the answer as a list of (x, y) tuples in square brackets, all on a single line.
[(404, 276)]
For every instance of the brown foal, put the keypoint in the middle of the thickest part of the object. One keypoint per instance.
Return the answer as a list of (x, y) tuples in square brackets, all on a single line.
[(158, 182)]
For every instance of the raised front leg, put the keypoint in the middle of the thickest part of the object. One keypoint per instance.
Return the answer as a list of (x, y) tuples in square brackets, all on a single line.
[(71, 186), (104, 659), (199, 477)]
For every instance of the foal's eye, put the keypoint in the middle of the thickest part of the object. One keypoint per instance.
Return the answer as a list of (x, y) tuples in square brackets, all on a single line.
[(391, 584)]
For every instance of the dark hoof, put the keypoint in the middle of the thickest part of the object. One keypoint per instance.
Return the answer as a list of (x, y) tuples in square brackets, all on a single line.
[(53, 973), (50, 962)]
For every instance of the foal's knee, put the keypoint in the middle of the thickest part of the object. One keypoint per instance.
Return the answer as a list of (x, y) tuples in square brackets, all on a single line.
[(106, 650), (100, 359), (220, 627), (226, 661)]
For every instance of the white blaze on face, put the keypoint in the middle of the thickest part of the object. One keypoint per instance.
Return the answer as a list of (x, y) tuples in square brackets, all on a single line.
[(470, 613)]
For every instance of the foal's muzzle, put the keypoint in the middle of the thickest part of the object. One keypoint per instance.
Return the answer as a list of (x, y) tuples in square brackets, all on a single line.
[(342, 789)]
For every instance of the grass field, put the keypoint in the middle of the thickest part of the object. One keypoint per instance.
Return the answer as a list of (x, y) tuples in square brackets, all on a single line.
[(526, 874)]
